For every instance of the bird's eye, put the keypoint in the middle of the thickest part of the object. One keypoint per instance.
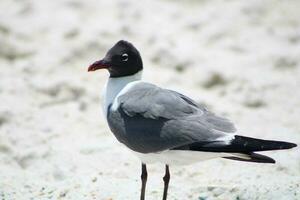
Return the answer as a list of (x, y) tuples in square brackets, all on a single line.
[(124, 57)]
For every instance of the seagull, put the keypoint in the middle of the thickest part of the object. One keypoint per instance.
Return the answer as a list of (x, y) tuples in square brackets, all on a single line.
[(162, 125)]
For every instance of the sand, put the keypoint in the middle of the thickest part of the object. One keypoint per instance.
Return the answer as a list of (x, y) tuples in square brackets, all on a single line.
[(239, 58)]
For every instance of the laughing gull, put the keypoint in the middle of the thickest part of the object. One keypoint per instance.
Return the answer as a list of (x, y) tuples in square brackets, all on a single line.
[(161, 125)]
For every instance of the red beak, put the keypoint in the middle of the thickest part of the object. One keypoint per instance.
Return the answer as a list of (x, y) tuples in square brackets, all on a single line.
[(100, 64)]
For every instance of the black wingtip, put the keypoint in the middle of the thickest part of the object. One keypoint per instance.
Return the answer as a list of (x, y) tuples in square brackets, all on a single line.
[(261, 158), (253, 144), (254, 157), (287, 145), (292, 145)]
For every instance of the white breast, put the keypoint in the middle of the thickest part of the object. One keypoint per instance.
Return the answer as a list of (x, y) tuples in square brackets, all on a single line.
[(115, 103), (117, 86)]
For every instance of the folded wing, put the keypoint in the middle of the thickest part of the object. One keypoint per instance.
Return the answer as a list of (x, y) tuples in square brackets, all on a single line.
[(152, 119)]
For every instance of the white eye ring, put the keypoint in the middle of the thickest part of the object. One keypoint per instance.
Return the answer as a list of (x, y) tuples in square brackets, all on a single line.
[(124, 57)]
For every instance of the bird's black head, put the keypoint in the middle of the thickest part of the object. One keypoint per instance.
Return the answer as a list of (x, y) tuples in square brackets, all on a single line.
[(123, 59)]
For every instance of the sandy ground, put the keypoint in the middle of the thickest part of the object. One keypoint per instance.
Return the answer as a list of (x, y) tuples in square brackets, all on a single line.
[(240, 58)]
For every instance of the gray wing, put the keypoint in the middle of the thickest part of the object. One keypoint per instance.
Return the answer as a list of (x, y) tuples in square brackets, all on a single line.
[(217, 122), (152, 119)]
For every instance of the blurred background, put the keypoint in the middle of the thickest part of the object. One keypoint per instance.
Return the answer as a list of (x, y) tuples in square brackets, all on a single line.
[(239, 58)]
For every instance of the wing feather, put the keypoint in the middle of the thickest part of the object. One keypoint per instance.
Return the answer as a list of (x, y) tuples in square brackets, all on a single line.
[(152, 119)]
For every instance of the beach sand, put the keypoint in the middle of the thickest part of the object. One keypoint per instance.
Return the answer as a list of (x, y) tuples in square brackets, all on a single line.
[(239, 58)]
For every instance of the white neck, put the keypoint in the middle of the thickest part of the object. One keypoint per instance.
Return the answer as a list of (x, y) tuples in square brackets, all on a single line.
[(113, 87)]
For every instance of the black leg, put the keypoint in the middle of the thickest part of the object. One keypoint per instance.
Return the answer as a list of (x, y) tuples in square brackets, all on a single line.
[(144, 180), (166, 181)]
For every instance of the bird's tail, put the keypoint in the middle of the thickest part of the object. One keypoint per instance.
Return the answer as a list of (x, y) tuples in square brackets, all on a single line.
[(243, 148)]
